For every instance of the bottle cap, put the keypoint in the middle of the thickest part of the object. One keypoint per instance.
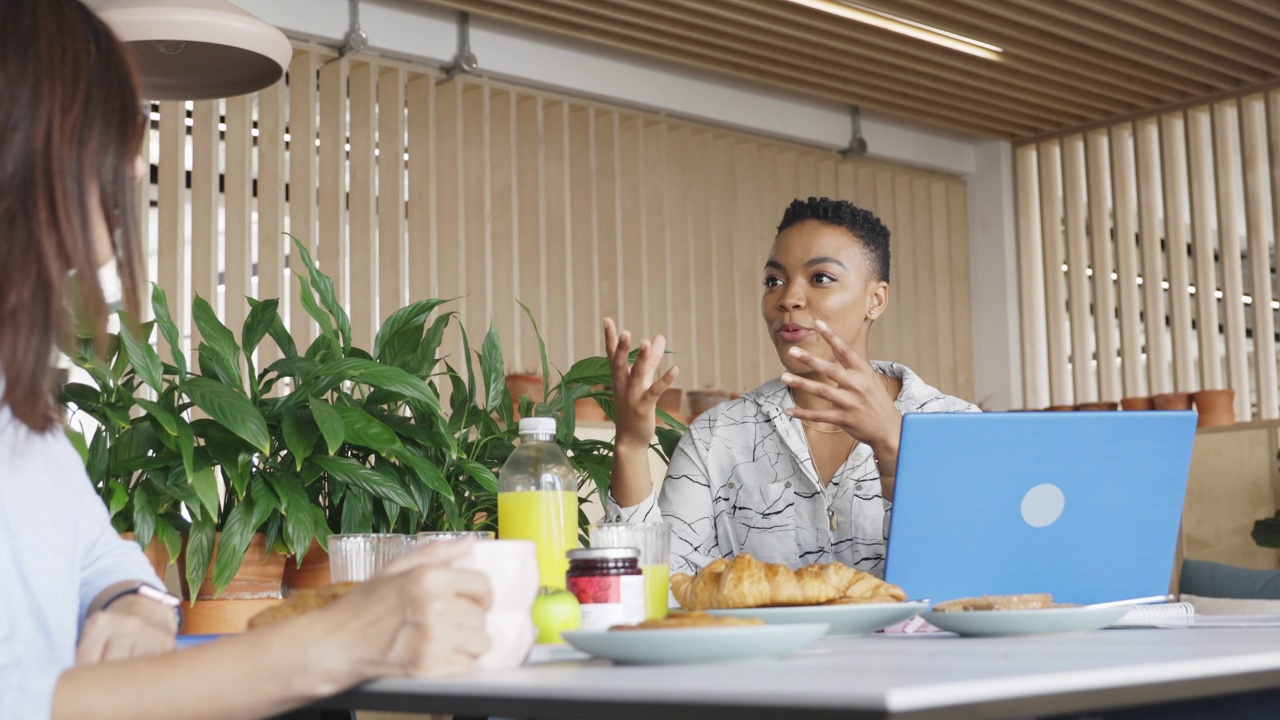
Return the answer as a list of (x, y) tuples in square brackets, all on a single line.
[(538, 426), (622, 553)]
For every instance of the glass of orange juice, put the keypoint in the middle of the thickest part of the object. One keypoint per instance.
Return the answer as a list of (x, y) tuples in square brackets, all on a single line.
[(653, 540)]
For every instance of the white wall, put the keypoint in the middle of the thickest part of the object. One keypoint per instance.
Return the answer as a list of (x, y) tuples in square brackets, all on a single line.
[(414, 31)]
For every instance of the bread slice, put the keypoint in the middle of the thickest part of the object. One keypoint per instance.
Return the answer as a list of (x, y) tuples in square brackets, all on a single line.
[(1033, 601)]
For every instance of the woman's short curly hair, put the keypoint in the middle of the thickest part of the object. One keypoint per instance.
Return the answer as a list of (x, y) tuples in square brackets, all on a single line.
[(862, 224)]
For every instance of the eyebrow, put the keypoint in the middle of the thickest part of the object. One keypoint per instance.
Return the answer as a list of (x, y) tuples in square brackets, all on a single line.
[(820, 260)]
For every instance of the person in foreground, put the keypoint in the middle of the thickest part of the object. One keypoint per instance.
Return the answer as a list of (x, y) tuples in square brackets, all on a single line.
[(78, 637), (800, 470)]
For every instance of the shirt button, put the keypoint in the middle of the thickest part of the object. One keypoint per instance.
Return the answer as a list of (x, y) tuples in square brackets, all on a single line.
[(858, 486), (731, 486), (787, 484)]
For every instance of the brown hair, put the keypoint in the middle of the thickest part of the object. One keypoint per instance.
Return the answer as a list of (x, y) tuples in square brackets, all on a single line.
[(70, 131)]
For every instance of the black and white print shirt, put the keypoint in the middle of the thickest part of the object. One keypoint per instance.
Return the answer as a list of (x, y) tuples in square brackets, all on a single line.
[(742, 481)]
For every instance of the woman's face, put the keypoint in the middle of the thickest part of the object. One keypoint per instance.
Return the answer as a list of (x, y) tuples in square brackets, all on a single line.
[(815, 272)]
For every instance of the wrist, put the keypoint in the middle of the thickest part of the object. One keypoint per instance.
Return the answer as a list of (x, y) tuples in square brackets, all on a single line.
[(162, 616)]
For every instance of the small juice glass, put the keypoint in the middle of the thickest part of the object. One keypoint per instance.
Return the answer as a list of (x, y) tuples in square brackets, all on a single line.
[(653, 540)]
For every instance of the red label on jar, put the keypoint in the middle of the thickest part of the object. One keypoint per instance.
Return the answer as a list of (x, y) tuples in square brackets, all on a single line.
[(608, 600), (596, 589)]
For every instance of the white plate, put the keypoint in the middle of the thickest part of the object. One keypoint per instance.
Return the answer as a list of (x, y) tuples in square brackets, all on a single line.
[(853, 619), (694, 645), (996, 623)]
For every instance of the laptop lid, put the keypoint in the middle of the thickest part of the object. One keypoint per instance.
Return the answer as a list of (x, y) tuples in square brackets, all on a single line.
[(1084, 505)]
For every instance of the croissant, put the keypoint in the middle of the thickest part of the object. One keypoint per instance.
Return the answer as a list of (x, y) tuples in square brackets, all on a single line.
[(301, 601), (746, 582)]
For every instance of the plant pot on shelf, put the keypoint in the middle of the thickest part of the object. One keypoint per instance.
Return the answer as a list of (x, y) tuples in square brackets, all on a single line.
[(1137, 403), (588, 409), (671, 401), (1216, 407), (1097, 406), (255, 587), (701, 401), (156, 554), (1172, 401), (1060, 408), (524, 384), (314, 572)]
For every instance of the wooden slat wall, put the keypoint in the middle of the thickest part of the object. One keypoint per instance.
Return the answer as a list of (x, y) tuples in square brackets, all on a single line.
[(1179, 212), (405, 185)]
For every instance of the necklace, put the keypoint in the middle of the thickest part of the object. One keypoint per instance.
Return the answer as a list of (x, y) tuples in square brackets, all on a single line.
[(884, 382)]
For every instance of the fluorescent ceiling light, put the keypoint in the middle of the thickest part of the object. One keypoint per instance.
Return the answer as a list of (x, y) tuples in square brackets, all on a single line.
[(902, 26)]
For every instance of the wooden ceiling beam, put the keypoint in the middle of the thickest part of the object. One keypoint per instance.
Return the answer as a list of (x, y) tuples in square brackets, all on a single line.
[(1266, 7), (904, 108), (1239, 15), (1016, 83), (780, 48), (1190, 26), (769, 64), (1082, 57), (1142, 47)]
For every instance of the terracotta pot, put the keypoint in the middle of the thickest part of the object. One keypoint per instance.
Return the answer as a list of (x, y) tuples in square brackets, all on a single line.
[(259, 578), (524, 385), (314, 572), (156, 554), (1060, 408), (701, 401), (1172, 401), (671, 400), (218, 617), (1216, 407), (1097, 406), (1137, 403)]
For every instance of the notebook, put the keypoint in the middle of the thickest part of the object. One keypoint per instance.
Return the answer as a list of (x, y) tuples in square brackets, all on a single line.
[(1084, 505)]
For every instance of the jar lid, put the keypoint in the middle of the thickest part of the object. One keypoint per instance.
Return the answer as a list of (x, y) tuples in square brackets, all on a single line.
[(603, 553)]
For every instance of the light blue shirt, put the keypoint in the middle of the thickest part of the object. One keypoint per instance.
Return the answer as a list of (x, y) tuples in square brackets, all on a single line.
[(57, 552)]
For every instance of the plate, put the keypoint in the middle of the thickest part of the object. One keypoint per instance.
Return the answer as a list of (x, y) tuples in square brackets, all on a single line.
[(996, 623), (695, 645), (854, 619)]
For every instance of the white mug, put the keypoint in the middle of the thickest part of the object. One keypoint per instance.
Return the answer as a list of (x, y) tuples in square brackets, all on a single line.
[(512, 569)]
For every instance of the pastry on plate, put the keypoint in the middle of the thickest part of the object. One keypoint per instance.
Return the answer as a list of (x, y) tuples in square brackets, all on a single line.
[(745, 582), (301, 601), (686, 620), (1030, 601)]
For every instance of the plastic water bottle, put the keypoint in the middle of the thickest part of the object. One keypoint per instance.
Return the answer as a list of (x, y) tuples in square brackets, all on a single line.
[(538, 498)]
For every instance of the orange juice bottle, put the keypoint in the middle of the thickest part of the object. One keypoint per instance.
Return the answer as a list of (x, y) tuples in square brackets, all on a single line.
[(538, 498)]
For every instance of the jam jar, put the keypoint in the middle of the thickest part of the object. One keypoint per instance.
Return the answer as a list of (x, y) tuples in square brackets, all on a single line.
[(608, 584)]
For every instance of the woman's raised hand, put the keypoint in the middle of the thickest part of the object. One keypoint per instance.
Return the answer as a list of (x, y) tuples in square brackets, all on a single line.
[(635, 392), (860, 403)]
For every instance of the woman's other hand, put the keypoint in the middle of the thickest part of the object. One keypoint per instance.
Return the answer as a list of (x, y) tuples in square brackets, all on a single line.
[(419, 617), (635, 392), (132, 626), (860, 403)]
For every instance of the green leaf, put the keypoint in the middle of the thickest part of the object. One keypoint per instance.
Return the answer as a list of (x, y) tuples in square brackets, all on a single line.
[(495, 375), (295, 367), (1266, 532), (96, 465), (142, 356), (409, 317), (144, 514), (367, 431), (205, 483), (300, 435), (542, 346), (357, 512), (281, 335), (216, 335), (231, 409), (293, 496), (258, 323), (589, 371), (668, 438), (480, 474), (170, 538), (237, 532), (162, 415), (365, 478), (299, 528), (330, 424), (199, 553), (307, 296), (118, 498), (187, 448), (213, 364), (265, 501), (429, 474), (425, 357), (168, 329), (323, 285), (77, 441)]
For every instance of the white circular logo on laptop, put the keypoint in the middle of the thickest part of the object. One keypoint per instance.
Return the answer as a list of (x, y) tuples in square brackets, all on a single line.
[(1042, 505)]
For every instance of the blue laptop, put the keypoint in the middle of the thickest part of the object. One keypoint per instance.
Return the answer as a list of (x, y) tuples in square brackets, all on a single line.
[(1085, 505)]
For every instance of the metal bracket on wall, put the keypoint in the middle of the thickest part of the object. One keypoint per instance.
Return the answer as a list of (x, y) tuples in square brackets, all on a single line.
[(465, 60), (356, 39), (857, 143)]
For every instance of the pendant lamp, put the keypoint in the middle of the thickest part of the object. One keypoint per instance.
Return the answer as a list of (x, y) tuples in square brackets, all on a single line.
[(197, 49)]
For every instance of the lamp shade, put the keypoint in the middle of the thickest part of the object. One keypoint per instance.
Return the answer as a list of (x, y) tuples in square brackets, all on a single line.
[(197, 49)]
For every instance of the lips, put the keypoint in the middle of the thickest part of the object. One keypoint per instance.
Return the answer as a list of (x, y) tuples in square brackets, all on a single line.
[(792, 333)]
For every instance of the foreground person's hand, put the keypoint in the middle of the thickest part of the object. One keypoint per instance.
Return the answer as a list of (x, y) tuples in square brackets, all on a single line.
[(130, 627), (418, 617), (635, 392)]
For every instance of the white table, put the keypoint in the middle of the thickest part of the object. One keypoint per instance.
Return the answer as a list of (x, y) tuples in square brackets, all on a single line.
[(916, 677)]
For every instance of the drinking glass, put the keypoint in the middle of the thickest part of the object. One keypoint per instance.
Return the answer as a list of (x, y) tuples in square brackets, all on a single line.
[(430, 536), (358, 557), (653, 540)]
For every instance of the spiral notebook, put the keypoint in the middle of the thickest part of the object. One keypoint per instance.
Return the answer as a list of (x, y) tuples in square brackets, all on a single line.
[(1160, 615)]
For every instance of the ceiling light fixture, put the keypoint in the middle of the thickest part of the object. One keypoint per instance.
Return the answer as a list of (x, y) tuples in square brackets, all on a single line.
[(902, 26), (197, 49)]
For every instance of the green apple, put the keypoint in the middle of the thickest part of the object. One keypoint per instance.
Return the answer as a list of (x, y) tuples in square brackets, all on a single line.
[(554, 611)]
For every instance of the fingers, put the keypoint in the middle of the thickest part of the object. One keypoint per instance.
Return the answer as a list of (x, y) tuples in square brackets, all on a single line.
[(441, 552), (830, 393), (826, 368), (93, 642), (664, 382), (610, 337), (844, 354), (651, 354)]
